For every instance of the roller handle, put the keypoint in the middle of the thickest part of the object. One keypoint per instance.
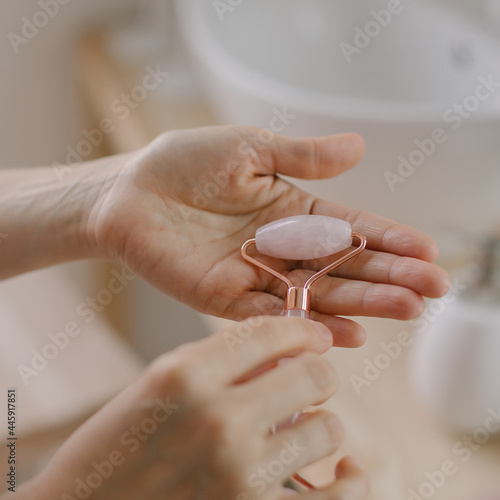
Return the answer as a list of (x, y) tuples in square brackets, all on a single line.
[(297, 313)]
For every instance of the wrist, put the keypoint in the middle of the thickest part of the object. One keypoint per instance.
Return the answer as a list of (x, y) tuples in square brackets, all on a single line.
[(47, 218), (91, 187)]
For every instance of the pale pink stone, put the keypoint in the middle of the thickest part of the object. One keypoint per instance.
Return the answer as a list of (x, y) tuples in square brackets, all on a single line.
[(303, 237)]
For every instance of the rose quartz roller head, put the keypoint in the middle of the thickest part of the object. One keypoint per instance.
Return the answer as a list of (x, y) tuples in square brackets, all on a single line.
[(303, 237)]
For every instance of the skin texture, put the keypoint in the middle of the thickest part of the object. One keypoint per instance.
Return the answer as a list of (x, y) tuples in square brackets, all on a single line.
[(166, 218), (176, 213), (213, 441)]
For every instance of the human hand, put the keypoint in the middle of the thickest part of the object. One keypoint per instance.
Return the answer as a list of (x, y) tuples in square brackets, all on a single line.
[(179, 211), (197, 424)]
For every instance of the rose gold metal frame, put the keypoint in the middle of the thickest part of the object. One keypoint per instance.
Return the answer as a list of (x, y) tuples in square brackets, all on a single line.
[(299, 297)]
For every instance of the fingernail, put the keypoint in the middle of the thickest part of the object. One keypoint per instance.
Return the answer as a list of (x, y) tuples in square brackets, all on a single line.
[(336, 429), (324, 332), (446, 287), (354, 461)]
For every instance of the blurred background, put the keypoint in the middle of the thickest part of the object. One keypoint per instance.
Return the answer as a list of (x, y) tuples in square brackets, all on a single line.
[(419, 80)]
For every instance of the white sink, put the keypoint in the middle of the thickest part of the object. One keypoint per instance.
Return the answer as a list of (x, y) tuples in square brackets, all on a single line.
[(268, 55)]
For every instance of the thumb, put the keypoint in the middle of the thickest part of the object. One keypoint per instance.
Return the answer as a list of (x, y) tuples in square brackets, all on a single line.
[(351, 481), (315, 157)]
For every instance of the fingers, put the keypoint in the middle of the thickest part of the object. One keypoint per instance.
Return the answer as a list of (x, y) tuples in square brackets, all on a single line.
[(332, 296), (325, 157), (246, 346), (424, 278), (382, 234), (315, 436), (351, 484), (314, 157), (360, 298), (307, 379), (372, 284), (345, 332)]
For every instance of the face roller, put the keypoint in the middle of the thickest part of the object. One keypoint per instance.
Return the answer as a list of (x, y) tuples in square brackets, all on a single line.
[(303, 237)]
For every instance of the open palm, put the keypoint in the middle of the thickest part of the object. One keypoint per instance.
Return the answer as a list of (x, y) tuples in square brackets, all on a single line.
[(181, 208)]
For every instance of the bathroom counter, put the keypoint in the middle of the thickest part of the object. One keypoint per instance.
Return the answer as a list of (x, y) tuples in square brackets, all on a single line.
[(386, 427)]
